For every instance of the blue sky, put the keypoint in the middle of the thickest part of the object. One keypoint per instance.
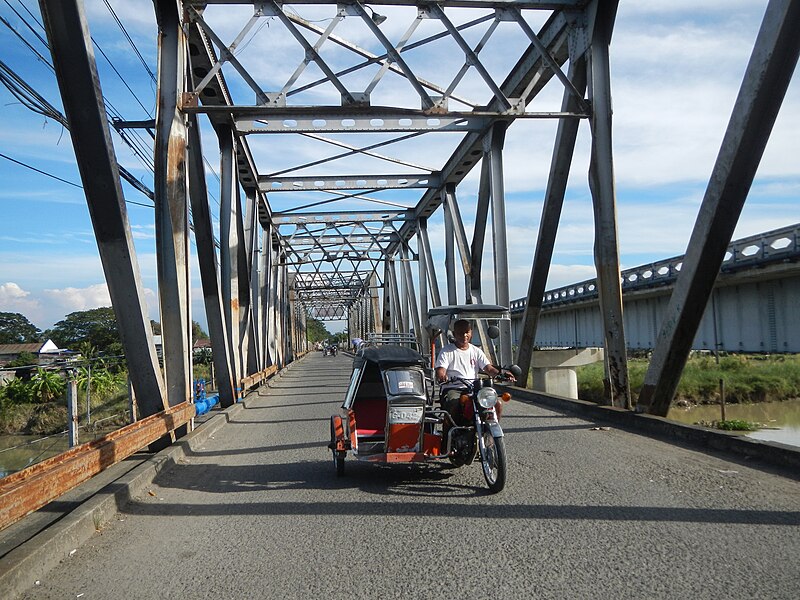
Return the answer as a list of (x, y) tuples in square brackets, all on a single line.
[(676, 69)]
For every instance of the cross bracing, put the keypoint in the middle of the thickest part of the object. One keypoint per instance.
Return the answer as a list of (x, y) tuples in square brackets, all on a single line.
[(342, 128)]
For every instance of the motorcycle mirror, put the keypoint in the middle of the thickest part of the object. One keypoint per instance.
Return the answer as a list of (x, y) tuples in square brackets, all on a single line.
[(493, 332), (515, 370)]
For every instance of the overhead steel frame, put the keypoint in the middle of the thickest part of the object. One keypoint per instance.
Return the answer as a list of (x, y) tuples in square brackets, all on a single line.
[(308, 245), (329, 263)]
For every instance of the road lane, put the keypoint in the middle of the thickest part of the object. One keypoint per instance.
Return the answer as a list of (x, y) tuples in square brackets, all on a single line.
[(258, 512)]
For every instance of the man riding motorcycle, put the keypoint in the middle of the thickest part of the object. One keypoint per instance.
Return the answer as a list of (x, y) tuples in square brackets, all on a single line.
[(461, 360)]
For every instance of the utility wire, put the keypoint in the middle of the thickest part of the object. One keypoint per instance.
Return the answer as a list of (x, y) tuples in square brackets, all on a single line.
[(130, 40), (27, 166)]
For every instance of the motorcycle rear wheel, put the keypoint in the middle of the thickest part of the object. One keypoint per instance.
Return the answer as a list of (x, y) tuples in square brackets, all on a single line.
[(493, 461)]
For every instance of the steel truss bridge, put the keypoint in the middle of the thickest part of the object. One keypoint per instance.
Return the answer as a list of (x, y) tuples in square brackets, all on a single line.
[(330, 139)]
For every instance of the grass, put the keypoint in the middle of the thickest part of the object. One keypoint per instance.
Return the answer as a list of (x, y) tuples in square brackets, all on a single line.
[(747, 378), (730, 425)]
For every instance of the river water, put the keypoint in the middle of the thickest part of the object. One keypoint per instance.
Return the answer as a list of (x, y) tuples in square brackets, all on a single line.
[(780, 421), (20, 451)]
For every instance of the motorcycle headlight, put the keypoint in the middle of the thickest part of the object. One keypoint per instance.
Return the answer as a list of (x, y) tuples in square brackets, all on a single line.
[(487, 397)]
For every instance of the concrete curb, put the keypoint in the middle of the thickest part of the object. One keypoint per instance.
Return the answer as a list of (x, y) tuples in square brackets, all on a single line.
[(784, 457), (31, 561)]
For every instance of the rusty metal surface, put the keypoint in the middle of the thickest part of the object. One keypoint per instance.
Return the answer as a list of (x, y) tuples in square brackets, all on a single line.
[(28, 490), (256, 378)]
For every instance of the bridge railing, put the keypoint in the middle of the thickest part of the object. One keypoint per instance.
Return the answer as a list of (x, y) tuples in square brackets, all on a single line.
[(756, 250)]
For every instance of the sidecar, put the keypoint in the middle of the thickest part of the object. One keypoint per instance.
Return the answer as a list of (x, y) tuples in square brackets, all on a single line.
[(383, 415)]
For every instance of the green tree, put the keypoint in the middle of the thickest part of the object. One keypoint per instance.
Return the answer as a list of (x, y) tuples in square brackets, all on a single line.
[(197, 332), (315, 330), (17, 329), (97, 327), (47, 385)]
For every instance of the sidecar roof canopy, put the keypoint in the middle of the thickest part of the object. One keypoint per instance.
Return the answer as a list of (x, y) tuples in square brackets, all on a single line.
[(439, 318), (389, 356)]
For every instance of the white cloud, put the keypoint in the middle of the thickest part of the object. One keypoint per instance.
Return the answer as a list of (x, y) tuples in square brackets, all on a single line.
[(14, 299)]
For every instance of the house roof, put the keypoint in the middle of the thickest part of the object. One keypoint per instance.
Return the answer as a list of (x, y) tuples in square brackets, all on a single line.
[(33, 348), (19, 348), (202, 343)]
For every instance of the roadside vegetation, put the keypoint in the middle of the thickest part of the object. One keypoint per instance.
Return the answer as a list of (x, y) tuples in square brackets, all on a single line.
[(747, 378)]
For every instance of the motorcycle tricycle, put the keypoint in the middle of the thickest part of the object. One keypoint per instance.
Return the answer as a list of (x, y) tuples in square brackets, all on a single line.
[(389, 414)]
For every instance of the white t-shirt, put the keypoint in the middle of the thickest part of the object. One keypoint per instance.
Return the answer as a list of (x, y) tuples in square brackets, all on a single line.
[(465, 363)]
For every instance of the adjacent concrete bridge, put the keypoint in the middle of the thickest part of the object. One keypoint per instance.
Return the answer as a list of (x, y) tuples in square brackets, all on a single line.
[(753, 307), (249, 506)]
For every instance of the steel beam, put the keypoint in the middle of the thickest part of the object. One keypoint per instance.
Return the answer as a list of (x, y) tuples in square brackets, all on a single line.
[(766, 80), (348, 182), (172, 205), (560, 163), (481, 219), (228, 242), (425, 252), (601, 183), (310, 119), (207, 260), (499, 237), (489, 4), (76, 72), (422, 332), (411, 297)]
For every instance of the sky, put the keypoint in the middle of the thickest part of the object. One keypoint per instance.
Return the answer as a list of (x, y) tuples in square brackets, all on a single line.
[(676, 69)]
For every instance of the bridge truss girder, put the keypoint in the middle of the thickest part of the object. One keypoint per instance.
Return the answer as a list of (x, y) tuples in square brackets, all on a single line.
[(348, 261)]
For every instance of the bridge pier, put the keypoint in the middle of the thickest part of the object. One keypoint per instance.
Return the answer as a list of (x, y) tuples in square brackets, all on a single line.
[(554, 370)]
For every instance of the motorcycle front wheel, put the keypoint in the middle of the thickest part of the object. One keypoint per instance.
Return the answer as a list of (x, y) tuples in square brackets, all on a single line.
[(493, 461)]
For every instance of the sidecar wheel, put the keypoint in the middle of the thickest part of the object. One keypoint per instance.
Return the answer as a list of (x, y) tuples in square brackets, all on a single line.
[(493, 461)]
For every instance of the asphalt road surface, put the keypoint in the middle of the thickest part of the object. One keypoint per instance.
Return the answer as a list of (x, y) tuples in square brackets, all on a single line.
[(258, 512)]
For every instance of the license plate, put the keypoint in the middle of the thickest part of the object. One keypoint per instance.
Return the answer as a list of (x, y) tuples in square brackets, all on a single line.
[(405, 414)]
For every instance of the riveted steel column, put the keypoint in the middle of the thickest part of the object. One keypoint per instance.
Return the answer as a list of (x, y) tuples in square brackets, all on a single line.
[(601, 183), (430, 266), (386, 315), (481, 218), (375, 305), (551, 215), (228, 243), (207, 260), (766, 79), (405, 292), (449, 246), (265, 262), (172, 206), (291, 317), (499, 237), (281, 305), (411, 296), (76, 72), (460, 235), (397, 319), (422, 267), (251, 293), (271, 299)]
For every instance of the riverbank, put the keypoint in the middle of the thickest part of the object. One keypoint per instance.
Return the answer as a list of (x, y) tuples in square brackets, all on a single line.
[(745, 379)]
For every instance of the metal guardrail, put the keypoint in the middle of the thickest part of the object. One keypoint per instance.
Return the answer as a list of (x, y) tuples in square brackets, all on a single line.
[(772, 246), (400, 339)]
